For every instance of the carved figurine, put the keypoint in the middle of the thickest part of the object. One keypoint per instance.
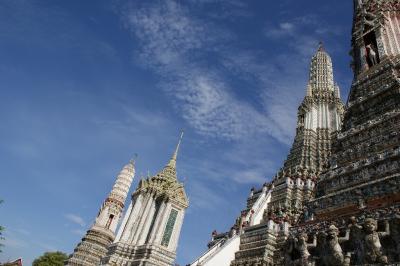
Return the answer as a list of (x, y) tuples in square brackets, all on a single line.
[(332, 253), (296, 250), (372, 244), (372, 54), (356, 240), (302, 246), (288, 249)]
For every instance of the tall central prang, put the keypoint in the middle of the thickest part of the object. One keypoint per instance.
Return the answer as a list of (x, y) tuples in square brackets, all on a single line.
[(319, 119), (261, 229)]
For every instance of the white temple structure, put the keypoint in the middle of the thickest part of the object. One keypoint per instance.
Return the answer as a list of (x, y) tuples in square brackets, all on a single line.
[(97, 239), (150, 229)]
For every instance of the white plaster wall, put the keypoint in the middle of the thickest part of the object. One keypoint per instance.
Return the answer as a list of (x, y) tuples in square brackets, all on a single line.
[(322, 116), (222, 256), (124, 221)]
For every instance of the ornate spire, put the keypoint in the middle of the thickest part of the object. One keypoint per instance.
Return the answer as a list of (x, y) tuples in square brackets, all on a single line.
[(321, 71), (172, 162), (321, 47), (124, 180), (94, 244), (169, 171)]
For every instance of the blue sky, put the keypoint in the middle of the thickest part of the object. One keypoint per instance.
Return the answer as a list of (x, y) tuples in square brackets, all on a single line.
[(85, 85)]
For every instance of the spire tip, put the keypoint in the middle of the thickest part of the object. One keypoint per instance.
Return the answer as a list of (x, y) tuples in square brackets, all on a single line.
[(172, 162), (321, 47), (133, 159)]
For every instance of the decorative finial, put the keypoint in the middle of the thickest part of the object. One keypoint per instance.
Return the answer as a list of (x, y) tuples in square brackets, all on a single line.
[(321, 47), (172, 162), (132, 161), (177, 146)]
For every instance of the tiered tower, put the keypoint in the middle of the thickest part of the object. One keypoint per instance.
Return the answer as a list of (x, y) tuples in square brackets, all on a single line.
[(355, 215), (94, 244), (319, 119), (150, 230), (262, 227)]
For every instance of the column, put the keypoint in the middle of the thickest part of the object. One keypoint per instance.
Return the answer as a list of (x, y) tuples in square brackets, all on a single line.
[(163, 223), (129, 228), (142, 218), (147, 223), (176, 232), (158, 223)]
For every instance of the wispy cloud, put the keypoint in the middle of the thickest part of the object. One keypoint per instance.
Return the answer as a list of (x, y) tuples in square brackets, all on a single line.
[(283, 29), (205, 198), (75, 219), (23, 231), (301, 33), (78, 232), (13, 242), (177, 45)]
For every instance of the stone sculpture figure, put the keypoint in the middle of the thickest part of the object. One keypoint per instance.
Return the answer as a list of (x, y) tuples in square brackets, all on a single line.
[(289, 250), (302, 246), (332, 253), (372, 244), (356, 240), (297, 250), (372, 54)]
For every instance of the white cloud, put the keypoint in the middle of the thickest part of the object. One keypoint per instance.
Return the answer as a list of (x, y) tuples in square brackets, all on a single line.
[(78, 232), (178, 45), (204, 198), (47, 247), (165, 32), (283, 29), (13, 242), (23, 231), (250, 176), (175, 44), (75, 219)]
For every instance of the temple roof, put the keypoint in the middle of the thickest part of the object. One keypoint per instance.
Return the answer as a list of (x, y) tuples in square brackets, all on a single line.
[(165, 183)]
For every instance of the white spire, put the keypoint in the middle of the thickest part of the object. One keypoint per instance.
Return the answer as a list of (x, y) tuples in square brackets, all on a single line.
[(321, 71), (123, 183), (172, 162)]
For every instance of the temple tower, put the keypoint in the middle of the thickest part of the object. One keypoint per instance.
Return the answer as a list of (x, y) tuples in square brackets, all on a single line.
[(150, 230), (102, 233), (357, 201), (261, 229), (367, 148), (318, 120)]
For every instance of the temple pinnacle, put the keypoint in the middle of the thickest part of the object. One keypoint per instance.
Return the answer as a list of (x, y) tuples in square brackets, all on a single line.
[(321, 47), (132, 161), (172, 162)]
